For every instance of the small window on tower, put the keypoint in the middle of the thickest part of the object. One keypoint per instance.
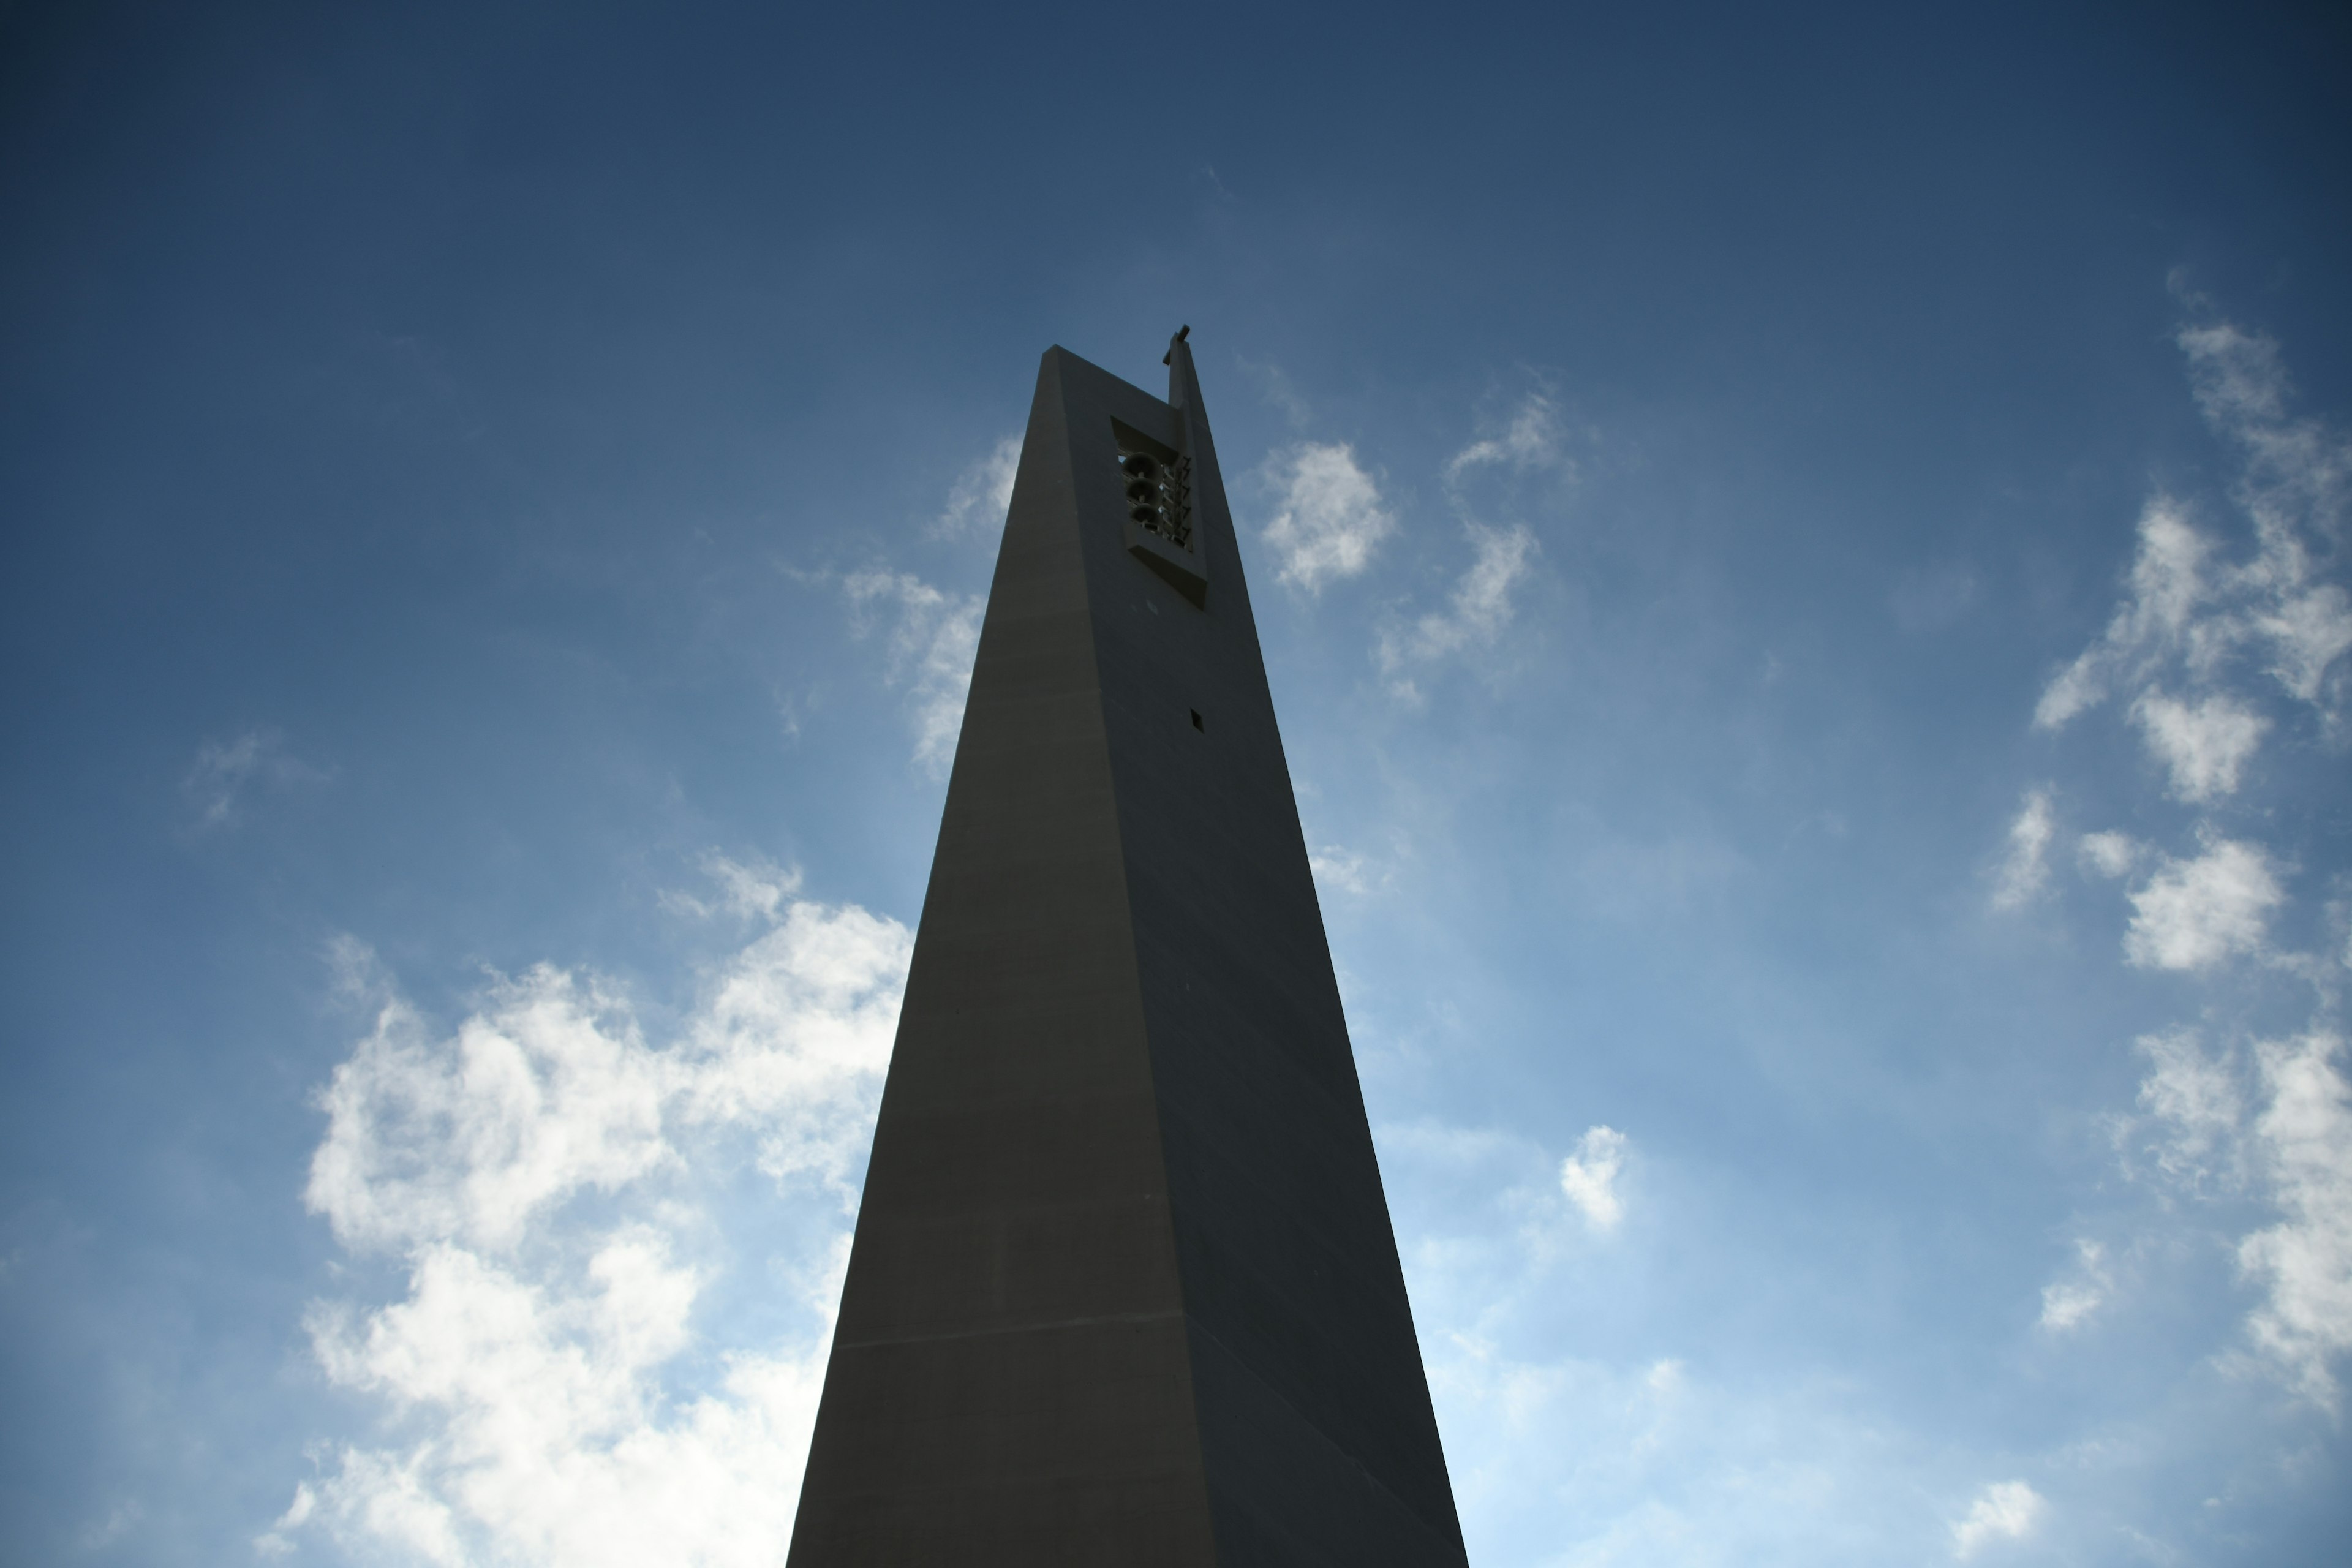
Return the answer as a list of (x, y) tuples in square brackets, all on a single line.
[(1196, 721)]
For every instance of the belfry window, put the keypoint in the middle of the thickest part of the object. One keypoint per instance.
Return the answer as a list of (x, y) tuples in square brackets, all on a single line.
[(1159, 487), (1155, 498)]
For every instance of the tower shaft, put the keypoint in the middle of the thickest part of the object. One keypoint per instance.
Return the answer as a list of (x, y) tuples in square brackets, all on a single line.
[(1124, 1289)]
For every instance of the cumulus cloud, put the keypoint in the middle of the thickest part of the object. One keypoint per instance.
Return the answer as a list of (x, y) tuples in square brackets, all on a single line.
[(933, 637), (2215, 640), (1329, 519), (533, 1175), (2304, 1141), (982, 493), (2275, 1121), (1476, 612), (225, 771), (1589, 1176), (2025, 871), (2005, 1511), (2193, 913), (2108, 854), (2204, 743)]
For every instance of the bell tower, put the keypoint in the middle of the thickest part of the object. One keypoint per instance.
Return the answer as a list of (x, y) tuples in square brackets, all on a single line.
[(1124, 1289)]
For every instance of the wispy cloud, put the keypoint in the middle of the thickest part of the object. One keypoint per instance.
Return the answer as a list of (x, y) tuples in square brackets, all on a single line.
[(1589, 1176), (1278, 390), (1534, 437), (2194, 1110), (752, 889), (227, 771), (1329, 519), (933, 637), (2208, 650), (119, 1520), (2024, 871), (1347, 870), (2005, 1511), (534, 1173), (2188, 609), (2067, 1303), (1481, 604), (1476, 612), (982, 493)]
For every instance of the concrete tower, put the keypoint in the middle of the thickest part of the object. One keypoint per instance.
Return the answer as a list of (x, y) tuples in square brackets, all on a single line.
[(1123, 1290)]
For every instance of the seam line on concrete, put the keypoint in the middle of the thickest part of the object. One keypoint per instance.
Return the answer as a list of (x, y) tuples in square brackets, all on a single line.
[(1346, 1455), (1019, 1329)]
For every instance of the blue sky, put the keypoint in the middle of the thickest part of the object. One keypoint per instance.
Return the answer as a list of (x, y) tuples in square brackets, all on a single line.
[(1803, 562)]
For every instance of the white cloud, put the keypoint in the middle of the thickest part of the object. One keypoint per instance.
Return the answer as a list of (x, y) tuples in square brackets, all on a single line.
[(547, 1091), (2297, 470), (1348, 871), (119, 1522), (747, 890), (2191, 914), (1329, 520), (2266, 1122), (2005, 1511), (2184, 603), (2168, 583), (2205, 744), (2308, 632), (2195, 1098), (277, 1541), (982, 493), (933, 638), (2025, 871), (2295, 1154), (2109, 854), (1277, 389), (2066, 1303), (2304, 1138), (1477, 610), (224, 770), (1533, 440), (1589, 1176), (535, 1172)]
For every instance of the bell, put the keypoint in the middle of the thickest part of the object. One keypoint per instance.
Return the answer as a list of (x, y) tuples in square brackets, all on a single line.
[(1140, 465)]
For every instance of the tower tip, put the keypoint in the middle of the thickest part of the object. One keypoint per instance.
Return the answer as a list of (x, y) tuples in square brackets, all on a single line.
[(1181, 333)]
